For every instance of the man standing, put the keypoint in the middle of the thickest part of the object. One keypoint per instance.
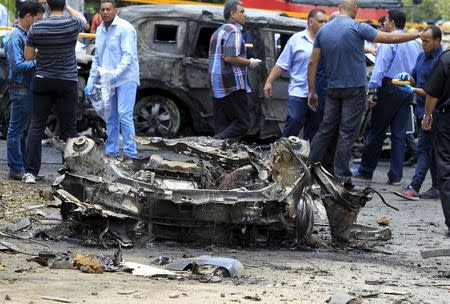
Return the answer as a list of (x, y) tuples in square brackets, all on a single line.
[(437, 89), (341, 43), (20, 84), (116, 46), (52, 42), (228, 74), (431, 42), (294, 59), (391, 107)]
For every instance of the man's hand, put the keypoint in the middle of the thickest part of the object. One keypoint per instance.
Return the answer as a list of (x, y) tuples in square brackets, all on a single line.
[(89, 86), (313, 100), (268, 89), (427, 121), (254, 63), (406, 88), (370, 102), (403, 76)]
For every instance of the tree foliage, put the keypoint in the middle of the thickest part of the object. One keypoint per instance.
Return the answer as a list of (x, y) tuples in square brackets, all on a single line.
[(428, 11)]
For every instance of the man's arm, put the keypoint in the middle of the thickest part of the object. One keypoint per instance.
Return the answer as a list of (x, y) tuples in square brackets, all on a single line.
[(127, 45), (384, 37), (430, 105), (312, 72), (29, 52), (236, 60), (75, 13), (274, 75)]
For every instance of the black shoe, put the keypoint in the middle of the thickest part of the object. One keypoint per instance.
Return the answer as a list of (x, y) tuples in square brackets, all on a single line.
[(411, 162)]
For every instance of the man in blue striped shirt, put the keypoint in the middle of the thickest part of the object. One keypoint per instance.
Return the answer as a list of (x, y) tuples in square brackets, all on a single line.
[(228, 74), (20, 84)]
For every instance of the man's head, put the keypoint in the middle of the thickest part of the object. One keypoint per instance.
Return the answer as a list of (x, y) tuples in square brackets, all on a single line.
[(316, 18), (43, 3), (382, 21), (233, 11), (431, 38), (108, 11), (348, 8), (29, 13), (395, 20), (56, 5)]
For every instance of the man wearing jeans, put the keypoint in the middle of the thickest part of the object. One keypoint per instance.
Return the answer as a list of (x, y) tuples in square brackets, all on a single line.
[(116, 47), (52, 42), (341, 43), (20, 83), (392, 107), (431, 42)]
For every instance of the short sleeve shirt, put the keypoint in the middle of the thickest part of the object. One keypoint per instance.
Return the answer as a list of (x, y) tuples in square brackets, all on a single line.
[(341, 42), (438, 84), (55, 37), (225, 78), (294, 59)]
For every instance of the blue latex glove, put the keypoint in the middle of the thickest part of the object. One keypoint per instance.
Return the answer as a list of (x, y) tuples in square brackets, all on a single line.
[(114, 78), (403, 76), (88, 89), (406, 88)]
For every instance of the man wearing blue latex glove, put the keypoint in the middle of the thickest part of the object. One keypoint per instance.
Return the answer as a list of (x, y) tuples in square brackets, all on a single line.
[(431, 42), (117, 52), (406, 88), (403, 76), (392, 107)]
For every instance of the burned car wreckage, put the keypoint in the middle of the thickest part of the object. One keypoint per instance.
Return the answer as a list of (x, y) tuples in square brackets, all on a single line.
[(205, 190)]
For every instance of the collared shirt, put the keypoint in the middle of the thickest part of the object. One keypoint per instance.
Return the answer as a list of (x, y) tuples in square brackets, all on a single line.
[(424, 64), (294, 59), (341, 42), (116, 51), (225, 78), (393, 59), (20, 71), (438, 83)]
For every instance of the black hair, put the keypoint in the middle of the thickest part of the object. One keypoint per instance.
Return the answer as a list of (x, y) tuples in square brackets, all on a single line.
[(56, 5), (398, 17), (113, 2), (314, 12), (435, 31), (382, 20), (30, 7)]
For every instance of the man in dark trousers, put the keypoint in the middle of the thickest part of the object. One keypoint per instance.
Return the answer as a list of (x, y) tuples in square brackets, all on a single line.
[(392, 106), (341, 43), (437, 89), (52, 42), (432, 50), (228, 74)]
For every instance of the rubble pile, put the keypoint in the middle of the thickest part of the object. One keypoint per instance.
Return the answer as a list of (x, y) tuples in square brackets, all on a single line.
[(203, 189)]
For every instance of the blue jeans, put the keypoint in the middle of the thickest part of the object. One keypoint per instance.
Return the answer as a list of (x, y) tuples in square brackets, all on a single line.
[(21, 108), (341, 119), (299, 115), (121, 119), (392, 109), (424, 160)]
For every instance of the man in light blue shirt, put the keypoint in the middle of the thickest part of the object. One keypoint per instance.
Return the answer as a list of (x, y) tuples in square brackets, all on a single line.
[(392, 105), (116, 51), (294, 59)]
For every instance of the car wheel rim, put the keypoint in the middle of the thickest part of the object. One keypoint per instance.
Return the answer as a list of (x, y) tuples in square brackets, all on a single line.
[(154, 118)]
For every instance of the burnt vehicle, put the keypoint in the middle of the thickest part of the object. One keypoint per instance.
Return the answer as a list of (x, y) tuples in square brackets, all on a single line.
[(205, 190), (173, 46)]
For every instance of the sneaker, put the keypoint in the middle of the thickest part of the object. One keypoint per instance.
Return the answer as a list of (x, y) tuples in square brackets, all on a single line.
[(411, 193), (431, 193), (357, 174), (392, 183), (15, 176), (29, 178)]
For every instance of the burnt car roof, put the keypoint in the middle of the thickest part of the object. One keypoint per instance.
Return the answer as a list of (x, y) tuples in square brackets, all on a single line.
[(206, 12)]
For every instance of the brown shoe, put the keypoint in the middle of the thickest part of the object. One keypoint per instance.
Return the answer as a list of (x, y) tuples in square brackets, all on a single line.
[(15, 176)]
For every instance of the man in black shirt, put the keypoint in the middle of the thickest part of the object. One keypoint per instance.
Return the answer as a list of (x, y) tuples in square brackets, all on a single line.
[(437, 89)]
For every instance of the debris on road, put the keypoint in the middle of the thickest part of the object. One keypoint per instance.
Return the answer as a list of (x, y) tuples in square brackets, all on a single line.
[(205, 190), (57, 299), (233, 267), (435, 253), (146, 270), (22, 224), (384, 221)]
